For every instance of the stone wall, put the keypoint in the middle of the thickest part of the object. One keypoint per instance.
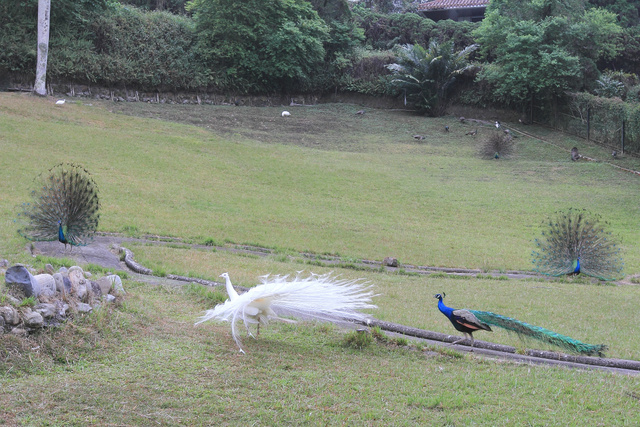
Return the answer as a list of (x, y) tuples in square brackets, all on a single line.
[(34, 301)]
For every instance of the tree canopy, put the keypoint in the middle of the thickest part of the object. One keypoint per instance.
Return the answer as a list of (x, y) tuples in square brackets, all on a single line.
[(544, 47), (258, 46)]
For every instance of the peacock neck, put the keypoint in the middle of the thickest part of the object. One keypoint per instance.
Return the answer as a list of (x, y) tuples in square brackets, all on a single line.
[(61, 236), (230, 291), (447, 311)]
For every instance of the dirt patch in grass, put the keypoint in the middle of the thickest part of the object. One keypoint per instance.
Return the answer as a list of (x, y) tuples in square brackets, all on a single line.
[(341, 127)]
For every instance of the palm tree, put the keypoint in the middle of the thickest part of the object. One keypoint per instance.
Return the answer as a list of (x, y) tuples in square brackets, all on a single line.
[(426, 75)]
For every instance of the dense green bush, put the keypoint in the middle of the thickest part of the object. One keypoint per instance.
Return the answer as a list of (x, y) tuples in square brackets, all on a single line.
[(150, 50), (384, 31), (256, 46)]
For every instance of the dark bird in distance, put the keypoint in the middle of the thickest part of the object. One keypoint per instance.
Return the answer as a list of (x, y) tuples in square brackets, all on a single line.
[(575, 156)]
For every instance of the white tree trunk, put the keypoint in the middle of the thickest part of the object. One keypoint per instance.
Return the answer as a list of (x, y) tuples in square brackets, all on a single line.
[(44, 8)]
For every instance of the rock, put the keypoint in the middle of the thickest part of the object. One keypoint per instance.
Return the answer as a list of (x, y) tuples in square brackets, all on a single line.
[(19, 332), (1, 325), (117, 288), (81, 292), (33, 319), (390, 262), (63, 284), (109, 298), (4, 263), (76, 276), (49, 269), (19, 278), (13, 300), (84, 308), (87, 274), (105, 284), (63, 270), (47, 284), (10, 315), (96, 291), (63, 307), (46, 309)]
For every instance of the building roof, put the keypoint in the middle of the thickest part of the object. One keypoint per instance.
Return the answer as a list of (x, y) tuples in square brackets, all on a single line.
[(451, 4)]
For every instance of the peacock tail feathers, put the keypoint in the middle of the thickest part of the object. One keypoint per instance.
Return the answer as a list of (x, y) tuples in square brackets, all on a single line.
[(539, 333), (64, 206), (577, 238), (320, 297)]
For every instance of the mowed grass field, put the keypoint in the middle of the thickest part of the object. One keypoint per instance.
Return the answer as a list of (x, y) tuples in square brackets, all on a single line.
[(328, 181)]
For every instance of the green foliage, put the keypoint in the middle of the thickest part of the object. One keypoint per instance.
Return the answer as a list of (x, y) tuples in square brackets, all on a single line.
[(367, 73), (610, 113), (608, 87), (256, 46), (543, 48), (425, 76), (384, 31), (154, 50)]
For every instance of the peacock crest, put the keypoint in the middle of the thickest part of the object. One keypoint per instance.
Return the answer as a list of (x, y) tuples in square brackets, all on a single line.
[(64, 206), (575, 241)]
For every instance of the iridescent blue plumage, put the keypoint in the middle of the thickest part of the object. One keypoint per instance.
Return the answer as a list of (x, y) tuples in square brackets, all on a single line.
[(469, 321), (574, 242)]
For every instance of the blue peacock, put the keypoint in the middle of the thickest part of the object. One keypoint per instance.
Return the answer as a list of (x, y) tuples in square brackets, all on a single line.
[(574, 242), (64, 206), (469, 321)]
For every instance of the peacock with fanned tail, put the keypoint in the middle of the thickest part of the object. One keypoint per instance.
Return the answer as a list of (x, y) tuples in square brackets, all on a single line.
[(319, 297), (469, 321), (576, 242), (64, 206)]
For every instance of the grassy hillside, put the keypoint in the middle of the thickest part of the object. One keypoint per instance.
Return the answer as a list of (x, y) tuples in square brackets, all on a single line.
[(324, 180), (329, 181)]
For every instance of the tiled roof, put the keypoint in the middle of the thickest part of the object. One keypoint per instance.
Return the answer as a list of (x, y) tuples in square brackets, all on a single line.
[(451, 4)]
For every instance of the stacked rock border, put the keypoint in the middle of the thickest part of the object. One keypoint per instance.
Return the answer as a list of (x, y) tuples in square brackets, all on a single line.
[(33, 302)]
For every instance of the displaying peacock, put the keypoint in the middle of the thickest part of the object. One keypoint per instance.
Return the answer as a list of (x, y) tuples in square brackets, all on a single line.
[(64, 207), (496, 145), (575, 242), (469, 321), (320, 297)]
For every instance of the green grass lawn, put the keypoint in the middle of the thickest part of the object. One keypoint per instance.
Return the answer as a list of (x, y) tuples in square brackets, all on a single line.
[(331, 182)]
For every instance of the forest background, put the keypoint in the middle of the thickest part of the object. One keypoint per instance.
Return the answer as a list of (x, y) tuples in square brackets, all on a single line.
[(578, 53)]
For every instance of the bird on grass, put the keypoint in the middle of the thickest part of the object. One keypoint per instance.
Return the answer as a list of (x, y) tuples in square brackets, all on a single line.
[(64, 207), (319, 297), (463, 320), (446, 128), (61, 101), (469, 321), (285, 114), (575, 156), (575, 242)]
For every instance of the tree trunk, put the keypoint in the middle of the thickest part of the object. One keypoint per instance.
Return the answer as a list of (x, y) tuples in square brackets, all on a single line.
[(44, 9)]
